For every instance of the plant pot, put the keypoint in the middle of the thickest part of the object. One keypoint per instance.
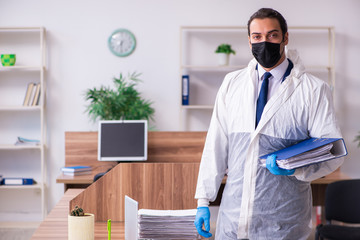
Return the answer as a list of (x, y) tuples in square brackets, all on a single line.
[(81, 227), (8, 59), (223, 59)]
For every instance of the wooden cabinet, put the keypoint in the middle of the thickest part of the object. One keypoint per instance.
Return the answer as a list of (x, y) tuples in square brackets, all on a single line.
[(167, 180), (23, 202)]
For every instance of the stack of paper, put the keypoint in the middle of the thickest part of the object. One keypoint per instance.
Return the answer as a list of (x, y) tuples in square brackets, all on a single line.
[(167, 224), (309, 151), (317, 155)]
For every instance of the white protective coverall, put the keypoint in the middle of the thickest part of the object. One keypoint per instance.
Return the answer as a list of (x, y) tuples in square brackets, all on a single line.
[(255, 203)]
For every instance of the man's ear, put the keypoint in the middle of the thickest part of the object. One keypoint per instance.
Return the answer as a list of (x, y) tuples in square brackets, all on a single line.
[(286, 38), (249, 42)]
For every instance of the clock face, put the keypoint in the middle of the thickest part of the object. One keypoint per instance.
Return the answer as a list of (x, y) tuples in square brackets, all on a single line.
[(122, 42)]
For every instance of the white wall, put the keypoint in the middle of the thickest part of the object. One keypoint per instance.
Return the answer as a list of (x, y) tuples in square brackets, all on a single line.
[(79, 57)]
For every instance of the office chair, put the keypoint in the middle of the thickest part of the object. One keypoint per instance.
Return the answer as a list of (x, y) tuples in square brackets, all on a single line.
[(342, 204), (99, 175)]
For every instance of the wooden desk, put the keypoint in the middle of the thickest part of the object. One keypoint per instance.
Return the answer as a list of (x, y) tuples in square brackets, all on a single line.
[(318, 186), (171, 147), (55, 225)]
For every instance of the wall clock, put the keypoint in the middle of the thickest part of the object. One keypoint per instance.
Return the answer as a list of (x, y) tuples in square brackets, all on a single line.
[(122, 42)]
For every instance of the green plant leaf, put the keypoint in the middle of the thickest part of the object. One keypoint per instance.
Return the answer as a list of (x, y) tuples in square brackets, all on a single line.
[(225, 48), (122, 102)]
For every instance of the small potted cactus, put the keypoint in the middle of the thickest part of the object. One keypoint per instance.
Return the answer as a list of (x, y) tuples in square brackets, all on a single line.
[(77, 212), (80, 225)]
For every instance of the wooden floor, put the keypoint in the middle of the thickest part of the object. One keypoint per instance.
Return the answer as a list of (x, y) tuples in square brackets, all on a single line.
[(55, 225)]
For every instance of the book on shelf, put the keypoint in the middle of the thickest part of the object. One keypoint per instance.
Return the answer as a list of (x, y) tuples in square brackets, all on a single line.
[(72, 169), (32, 94), (307, 152), (28, 93), (36, 98), (77, 173), (27, 141), (18, 181)]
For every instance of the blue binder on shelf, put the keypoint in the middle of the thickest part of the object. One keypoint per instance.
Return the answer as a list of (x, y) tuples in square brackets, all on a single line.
[(185, 89), (309, 151), (18, 181)]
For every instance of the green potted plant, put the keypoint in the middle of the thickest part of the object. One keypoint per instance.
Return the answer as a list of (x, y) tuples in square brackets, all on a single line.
[(121, 103), (80, 225), (223, 51)]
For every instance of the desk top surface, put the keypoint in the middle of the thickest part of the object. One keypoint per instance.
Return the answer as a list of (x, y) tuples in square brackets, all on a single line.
[(55, 225), (88, 179), (81, 179)]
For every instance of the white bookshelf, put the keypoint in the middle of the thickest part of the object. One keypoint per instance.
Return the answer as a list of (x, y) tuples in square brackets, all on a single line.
[(199, 61), (29, 45)]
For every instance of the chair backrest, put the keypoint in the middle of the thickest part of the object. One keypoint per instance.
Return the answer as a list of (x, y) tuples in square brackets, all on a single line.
[(342, 201)]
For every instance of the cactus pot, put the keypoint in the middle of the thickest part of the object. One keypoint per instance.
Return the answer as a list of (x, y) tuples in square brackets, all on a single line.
[(81, 227)]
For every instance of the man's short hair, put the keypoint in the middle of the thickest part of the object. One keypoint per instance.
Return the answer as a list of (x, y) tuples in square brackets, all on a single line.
[(269, 13)]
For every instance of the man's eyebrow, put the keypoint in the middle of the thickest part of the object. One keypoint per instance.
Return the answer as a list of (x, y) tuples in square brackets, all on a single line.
[(274, 30)]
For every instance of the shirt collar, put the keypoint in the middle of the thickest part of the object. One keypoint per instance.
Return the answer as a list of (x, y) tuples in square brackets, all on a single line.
[(277, 73)]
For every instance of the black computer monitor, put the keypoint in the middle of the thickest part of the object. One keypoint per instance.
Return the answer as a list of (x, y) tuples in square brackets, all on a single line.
[(123, 140)]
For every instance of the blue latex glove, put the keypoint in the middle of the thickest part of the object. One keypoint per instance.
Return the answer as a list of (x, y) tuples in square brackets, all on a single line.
[(273, 167), (203, 217)]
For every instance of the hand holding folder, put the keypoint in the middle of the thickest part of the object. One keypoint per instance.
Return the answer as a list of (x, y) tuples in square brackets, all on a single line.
[(272, 166), (307, 152)]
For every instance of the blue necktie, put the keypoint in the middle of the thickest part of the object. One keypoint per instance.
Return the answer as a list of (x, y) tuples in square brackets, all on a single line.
[(262, 99)]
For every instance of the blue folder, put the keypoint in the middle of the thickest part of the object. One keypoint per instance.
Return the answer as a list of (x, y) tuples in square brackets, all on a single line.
[(185, 90), (18, 181), (338, 149)]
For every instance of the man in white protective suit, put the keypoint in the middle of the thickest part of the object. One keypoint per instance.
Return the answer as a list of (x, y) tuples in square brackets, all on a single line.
[(264, 202)]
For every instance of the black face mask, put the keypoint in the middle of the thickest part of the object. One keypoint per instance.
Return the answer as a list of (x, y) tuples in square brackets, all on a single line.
[(266, 53)]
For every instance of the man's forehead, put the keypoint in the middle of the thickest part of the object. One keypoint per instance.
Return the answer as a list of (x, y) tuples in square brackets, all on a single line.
[(264, 25)]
